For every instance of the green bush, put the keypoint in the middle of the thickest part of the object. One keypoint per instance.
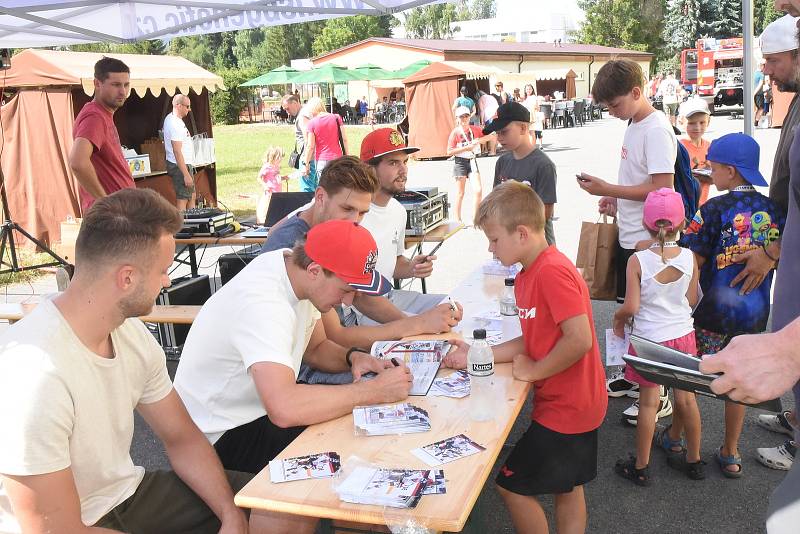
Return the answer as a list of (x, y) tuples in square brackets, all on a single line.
[(226, 105)]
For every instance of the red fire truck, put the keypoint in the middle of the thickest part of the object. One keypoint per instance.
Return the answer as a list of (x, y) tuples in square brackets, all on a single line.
[(714, 68)]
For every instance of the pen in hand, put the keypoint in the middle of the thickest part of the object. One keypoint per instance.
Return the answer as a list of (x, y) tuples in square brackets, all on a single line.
[(395, 362)]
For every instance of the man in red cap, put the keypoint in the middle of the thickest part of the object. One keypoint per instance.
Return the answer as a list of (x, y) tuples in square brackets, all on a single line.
[(239, 366), (386, 151)]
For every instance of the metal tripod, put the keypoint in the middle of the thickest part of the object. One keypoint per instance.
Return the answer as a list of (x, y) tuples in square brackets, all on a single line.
[(7, 245)]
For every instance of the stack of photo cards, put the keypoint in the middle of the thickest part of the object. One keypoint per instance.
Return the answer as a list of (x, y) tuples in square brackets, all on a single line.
[(321, 465), (403, 418), (455, 385), (435, 485), (447, 450), (397, 488), (422, 357)]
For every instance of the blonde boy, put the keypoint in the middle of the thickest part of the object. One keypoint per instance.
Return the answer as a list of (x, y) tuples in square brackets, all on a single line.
[(695, 112), (558, 352)]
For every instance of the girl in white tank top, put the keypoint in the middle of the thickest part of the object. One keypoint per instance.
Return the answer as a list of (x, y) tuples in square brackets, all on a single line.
[(661, 292)]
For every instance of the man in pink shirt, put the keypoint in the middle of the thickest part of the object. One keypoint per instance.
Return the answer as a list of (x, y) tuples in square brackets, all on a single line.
[(96, 157)]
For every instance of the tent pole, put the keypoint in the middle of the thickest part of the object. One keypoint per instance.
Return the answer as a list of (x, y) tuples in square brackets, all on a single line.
[(747, 65)]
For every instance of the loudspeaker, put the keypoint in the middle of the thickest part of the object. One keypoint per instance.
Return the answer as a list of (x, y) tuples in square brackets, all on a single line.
[(231, 264), (185, 290)]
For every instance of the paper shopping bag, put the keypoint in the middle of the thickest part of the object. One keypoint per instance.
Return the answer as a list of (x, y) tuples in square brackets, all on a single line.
[(596, 258)]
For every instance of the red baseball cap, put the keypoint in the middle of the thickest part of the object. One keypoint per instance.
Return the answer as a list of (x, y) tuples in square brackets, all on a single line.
[(384, 141), (348, 251), (663, 205)]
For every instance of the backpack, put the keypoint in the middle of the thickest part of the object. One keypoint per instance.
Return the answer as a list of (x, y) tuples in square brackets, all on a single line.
[(685, 183)]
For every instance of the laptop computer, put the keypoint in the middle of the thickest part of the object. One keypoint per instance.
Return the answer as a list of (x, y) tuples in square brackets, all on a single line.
[(280, 205), (679, 370)]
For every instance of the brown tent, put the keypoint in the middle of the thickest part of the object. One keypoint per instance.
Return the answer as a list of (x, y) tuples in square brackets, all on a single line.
[(430, 93), (50, 88)]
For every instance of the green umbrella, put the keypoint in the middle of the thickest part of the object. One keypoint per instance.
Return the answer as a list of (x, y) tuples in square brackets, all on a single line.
[(374, 72), (408, 70), (282, 75), (329, 74)]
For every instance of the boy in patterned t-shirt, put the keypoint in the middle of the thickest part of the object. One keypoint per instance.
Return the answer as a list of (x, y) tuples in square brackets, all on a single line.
[(724, 228)]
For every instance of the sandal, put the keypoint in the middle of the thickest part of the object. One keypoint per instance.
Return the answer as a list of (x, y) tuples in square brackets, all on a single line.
[(693, 470), (726, 461), (667, 444), (627, 469)]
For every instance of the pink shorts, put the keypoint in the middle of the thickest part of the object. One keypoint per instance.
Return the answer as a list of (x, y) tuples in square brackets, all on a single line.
[(686, 344)]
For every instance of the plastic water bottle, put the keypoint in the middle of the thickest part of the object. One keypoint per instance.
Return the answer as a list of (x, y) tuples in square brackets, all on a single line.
[(508, 310), (480, 366)]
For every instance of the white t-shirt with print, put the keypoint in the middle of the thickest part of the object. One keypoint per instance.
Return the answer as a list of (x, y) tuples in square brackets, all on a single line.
[(387, 224), (649, 147), (175, 130), (61, 405), (256, 317)]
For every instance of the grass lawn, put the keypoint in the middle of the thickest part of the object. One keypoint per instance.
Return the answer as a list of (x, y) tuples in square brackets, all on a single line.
[(240, 149)]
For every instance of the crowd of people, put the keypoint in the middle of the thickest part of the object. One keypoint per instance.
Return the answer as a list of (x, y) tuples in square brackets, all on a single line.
[(247, 386)]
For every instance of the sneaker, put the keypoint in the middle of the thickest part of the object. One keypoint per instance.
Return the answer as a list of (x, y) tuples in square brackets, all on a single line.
[(618, 386), (631, 414), (780, 457), (777, 423)]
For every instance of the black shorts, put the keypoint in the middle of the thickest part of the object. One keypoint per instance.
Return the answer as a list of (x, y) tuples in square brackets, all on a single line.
[(181, 191), (545, 462), (250, 447), (538, 134), (461, 166), (621, 265)]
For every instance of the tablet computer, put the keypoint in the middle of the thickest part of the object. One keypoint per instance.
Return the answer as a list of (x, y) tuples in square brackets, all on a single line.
[(679, 370)]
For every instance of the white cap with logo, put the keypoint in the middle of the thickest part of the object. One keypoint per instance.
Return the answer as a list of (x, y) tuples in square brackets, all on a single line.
[(780, 36)]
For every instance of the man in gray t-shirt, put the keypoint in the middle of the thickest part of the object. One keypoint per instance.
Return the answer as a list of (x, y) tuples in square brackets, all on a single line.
[(284, 234), (538, 171)]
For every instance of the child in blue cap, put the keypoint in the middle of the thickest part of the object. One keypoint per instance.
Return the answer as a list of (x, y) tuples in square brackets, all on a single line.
[(722, 229)]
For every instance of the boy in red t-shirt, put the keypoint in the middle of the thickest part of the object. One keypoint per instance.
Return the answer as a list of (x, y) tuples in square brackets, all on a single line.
[(558, 352)]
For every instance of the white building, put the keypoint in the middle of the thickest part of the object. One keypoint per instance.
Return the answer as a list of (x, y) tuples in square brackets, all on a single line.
[(524, 21)]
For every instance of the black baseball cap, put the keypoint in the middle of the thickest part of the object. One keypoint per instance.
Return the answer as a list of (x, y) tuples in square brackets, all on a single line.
[(508, 113)]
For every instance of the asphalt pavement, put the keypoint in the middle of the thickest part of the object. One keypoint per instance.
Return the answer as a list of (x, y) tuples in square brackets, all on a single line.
[(673, 502)]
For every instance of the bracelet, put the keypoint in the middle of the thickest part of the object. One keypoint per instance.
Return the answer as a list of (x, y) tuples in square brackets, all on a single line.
[(350, 352), (764, 248)]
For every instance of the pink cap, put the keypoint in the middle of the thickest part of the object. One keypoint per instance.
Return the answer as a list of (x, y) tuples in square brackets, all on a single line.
[(663, 205)]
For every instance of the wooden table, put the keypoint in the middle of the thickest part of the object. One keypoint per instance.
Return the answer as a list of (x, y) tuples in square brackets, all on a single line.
[(441, 233), (189, 246), (185, 314), (465, 478)]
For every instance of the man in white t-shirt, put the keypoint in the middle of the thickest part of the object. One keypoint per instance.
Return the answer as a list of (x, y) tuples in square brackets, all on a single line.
[(180, 152), (647, 163), (670, 91), (239, 366), (385, 150), (71, 373)]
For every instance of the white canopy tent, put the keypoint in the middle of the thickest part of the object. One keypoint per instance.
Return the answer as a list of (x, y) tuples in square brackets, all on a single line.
[(38, 23)]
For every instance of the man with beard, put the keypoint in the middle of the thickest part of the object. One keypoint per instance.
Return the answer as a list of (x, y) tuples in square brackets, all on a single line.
[(96, 157), (71, 373), (385, 151)]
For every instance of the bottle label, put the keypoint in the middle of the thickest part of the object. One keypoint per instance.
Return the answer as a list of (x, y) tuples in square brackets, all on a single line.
[(482, 369)]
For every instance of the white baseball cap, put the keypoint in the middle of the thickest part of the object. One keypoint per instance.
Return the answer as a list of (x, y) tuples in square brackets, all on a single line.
[(780, 36), (462, 110), (694, 106)]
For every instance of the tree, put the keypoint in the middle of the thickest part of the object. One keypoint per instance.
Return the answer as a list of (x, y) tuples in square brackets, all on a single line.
[(681, 26), (430, 22), (728, 21), (631, 24), (764, 12), (348, 30), (476, 9)]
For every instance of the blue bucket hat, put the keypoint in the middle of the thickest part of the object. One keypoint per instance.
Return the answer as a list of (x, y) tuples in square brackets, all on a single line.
[(740, 151)]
